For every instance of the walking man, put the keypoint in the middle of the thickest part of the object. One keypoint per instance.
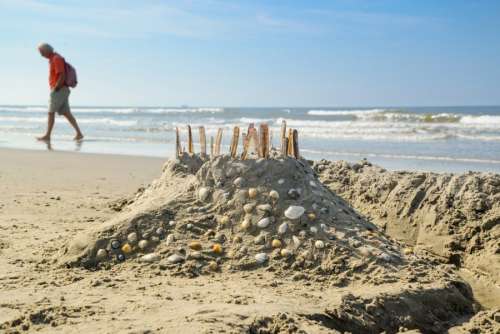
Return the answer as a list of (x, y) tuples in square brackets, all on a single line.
[(59, 92)]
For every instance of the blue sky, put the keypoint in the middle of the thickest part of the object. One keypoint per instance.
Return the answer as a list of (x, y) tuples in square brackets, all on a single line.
[(256, 53)]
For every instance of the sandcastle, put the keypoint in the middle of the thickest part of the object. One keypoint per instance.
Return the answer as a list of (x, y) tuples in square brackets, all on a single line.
[(261, 208)]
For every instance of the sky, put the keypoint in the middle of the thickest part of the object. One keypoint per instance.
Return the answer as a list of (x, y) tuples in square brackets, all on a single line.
[(256, 53)]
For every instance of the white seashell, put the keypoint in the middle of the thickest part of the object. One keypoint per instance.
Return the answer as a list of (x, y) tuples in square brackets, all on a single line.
[(160, 231), (265, 207), (294, 212), (296, 241), (175, 258), (203, 193), (239, 182), (282, 228), (189, 226), (151, 257), (132, 238), (195, 255), (323, 227), (171, 223), (115, 244), (101, 254), (319, 244), (312, 183), (281, 181), (314, 229), (261, 258), (264, 222), (143, 244), (260, 239), (274, 195), (248, 208), (170, 239)]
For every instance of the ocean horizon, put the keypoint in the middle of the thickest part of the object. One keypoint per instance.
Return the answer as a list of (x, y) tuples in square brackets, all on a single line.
[(442, 139)]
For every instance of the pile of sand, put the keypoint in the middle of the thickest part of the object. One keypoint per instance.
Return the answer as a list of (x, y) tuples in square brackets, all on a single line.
[(453, 216)]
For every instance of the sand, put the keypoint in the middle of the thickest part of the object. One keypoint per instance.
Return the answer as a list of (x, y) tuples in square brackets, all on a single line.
[(52, 284)]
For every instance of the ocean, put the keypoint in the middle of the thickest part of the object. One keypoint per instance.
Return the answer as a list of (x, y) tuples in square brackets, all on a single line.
[(442, 139)]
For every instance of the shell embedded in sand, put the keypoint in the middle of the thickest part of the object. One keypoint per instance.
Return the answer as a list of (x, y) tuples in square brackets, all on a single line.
[(285, 252), (276, 243), (408, 250), (319, 244), (265, 208), (217, 248), (170, 239), (237, 239), (132, 238), (126, 248), (171, 223), (283, 228), (248, 208), (311, 216), (261, 258), (313, 229), (281, 181), (175, 258), (239, 182), (294, 212), (115, 244), (252, 192), (212, 266), (296, 241), (143, 244), (246, 223), (151, 257), (195, 245), (274, 195), (195, 255), (203, 193), (260, 239), (101, 254), (160, 231), (264, 222), (224, 220)]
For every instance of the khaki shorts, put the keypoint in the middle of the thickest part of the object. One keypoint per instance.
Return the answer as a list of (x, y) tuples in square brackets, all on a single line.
[(59, 101)]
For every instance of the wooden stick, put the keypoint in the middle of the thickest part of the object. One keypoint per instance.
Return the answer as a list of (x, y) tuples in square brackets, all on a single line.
[(177, 142), (234, 141), (211, 147), (245, 140), (264, 141), (296, 144), (253, 141), (190, 141), (290, 142), (218, 140), (284, 146), (203, 140)]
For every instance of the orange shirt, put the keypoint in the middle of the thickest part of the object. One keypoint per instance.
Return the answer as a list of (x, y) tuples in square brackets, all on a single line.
[(56, 67)]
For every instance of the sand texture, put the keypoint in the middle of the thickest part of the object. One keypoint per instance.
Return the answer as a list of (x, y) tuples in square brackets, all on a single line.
[(112, 244)]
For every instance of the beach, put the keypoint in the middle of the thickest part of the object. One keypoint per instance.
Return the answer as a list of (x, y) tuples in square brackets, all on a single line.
[(48, 198)]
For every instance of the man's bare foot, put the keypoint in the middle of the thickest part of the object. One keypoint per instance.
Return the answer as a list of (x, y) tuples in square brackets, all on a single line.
[(43, 138), (78, 137)]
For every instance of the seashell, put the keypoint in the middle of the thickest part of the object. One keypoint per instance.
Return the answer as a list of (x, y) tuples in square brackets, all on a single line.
[(171, 223), (293, 193), (203, 193), (276, 243), (313, 229), (248, 208), (296, 241), (286, 252), (239, 182), (175, 258), (132, 238), (265, 208), (151, 257), (237, 239), (274, 195), (101, 254), (195, 255), (311, 216), (155, 239), (294, 212), (224, 220), (246, 223), (319, 244), (264, 222), (323, 227), (252, 192), (189, 226), (143, 244), (217, 248), (385, 257), (260, 239), (365, 251), (408, 250), (160, 231), (120, 257), (281, 181), (302, 234), (312, 184), (261, 258), (115, 244), (282, 228), (195, 245), (126, 248), (212, 266), (170, 239)]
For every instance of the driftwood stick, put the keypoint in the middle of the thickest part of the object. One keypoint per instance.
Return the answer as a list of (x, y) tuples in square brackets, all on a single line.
[(211, 147), (245, 140), (218, 140), (264, 141), (177, 142), (296, 144), (253, 141), (284, 146), (190, 141), (234, 141), (203, 140), (290, 143)]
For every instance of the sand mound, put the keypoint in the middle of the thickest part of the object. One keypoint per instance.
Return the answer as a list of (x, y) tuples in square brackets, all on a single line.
[(454, 216)]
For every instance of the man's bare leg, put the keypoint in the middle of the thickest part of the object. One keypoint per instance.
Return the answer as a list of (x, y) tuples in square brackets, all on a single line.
[(74, 124), (50, 125)]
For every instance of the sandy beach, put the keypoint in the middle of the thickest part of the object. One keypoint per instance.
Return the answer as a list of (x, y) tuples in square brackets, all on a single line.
[(49, 198)]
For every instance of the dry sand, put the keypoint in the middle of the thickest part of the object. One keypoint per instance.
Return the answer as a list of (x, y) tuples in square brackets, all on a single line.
[(49, 198)]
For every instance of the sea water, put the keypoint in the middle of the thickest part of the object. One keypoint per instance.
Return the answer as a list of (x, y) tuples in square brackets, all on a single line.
[(443, 139)]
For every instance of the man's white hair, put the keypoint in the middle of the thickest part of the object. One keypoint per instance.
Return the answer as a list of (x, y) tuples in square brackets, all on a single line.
[(45, 47)]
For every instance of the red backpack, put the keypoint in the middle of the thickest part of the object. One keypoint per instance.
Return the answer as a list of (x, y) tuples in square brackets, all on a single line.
[(70, 79)]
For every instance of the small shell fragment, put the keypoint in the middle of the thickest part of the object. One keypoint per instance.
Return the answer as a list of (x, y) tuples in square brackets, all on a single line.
[(264, 222), (126, 248), (101, 254), (274, 195), (151, 257), (252, 192), (261, 258), (195, 245), (115, 244), (217, 248), (175, 258), (319, 244), (276, 243), (143, 244), (132, 238), (283, 228)]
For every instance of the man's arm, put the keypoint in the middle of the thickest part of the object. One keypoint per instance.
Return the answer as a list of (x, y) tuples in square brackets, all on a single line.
[(60, 71), (60, 81)]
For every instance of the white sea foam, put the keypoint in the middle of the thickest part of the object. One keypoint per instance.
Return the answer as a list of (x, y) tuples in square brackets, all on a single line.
[(485, 119), (116, 110), (354, 112)]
